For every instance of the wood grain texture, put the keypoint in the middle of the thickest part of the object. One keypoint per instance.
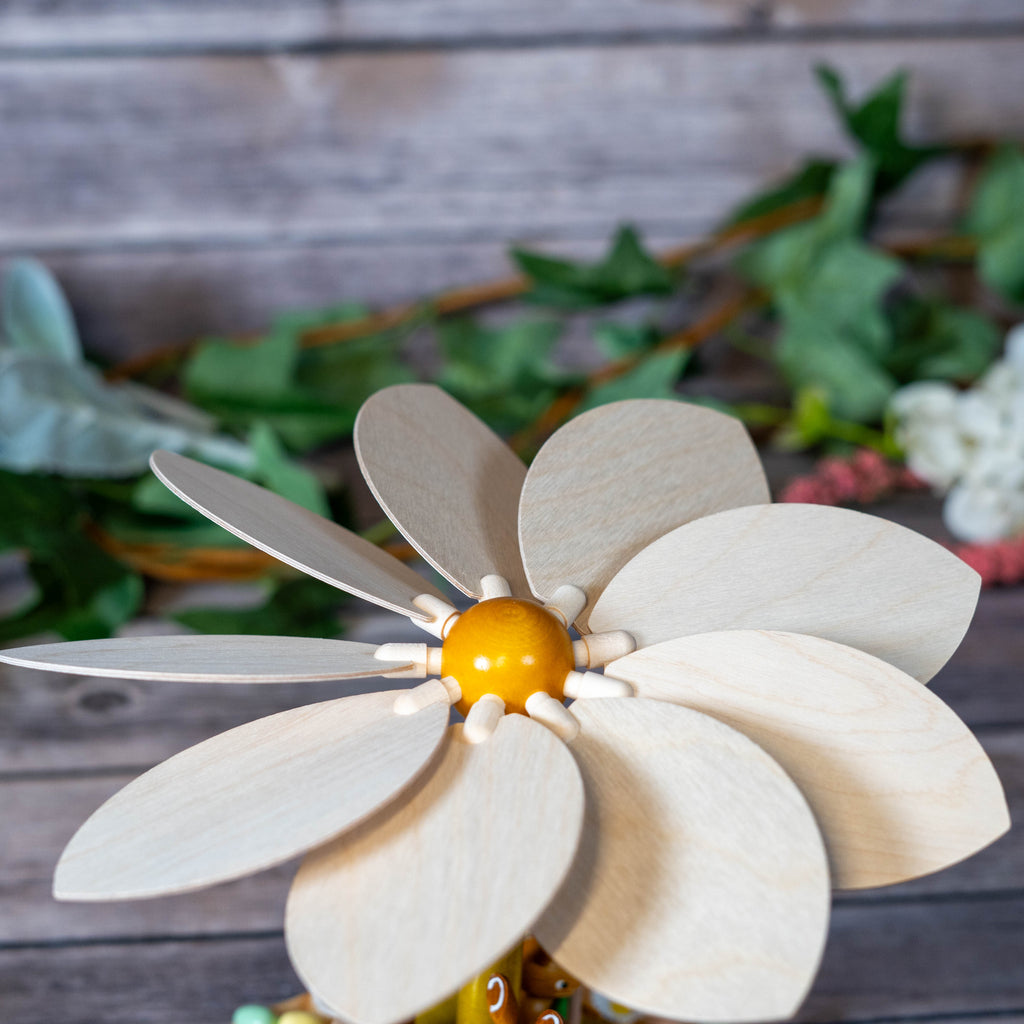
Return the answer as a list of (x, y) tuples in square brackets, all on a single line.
[(953, 961), (701, 888), (294, 535), (898, 784), (238, 24), (250, 798), (446, 480), (400, 146), (209, 659), (437, 887), (618, 477), (832, 572)]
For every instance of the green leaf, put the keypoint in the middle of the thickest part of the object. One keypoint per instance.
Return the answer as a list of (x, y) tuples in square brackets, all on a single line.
[(828, 287), (996, 220), (875, 125), (33, 508), (936, 341), (813, 355), (225, 371), (82, 593), (504, 374), (303, 607), (809, 182), (275, 470), (618, 341), (655, 376), (241, 383), (34, 312), (626, 271)]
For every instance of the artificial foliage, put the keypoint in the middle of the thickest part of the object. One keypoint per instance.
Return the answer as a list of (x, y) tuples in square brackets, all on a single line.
[(799, 279)]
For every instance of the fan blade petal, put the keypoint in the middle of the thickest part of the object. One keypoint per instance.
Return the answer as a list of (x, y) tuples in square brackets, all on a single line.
[(390, 920), (210, 659), (294, 534), (446, 481), (899, 785), (618, 477), (250, 798), (701, 889), (831, 572)]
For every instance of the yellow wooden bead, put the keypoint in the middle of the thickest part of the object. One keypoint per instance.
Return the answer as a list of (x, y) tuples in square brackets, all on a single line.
[(300, 1017), (508, 647)]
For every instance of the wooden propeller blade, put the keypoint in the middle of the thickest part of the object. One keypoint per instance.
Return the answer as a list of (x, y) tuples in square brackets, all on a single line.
[(294, 534), (701, 888), (446, 481), (250, 798), (618, 477), (899, 785), (830, 572), (209, 659), (390, 920)]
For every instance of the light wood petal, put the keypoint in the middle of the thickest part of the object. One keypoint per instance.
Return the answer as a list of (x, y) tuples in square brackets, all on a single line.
[(250, 798), (831, 572), (899, 785), (618, 477), (294, 534), (701, 889), (210, 659), (446, 480), (391, 919)]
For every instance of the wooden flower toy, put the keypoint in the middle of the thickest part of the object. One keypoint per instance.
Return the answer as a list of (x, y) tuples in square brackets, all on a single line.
[(761, 731)]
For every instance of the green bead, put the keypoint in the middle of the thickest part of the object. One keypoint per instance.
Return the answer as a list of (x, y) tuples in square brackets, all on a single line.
[(253, 1014)]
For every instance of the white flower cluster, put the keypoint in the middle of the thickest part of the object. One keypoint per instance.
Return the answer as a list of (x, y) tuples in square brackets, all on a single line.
[(970, 445)]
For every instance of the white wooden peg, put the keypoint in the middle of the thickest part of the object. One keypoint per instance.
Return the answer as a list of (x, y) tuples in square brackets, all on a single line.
[(493, 585), (588, 685), (483, 718), (442, 615), (408, 702), (593, 650), (426, 661), (566, 603), (543, 708)]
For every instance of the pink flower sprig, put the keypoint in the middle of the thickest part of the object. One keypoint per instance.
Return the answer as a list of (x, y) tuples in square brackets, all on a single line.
[(867, 476), (861, 479)]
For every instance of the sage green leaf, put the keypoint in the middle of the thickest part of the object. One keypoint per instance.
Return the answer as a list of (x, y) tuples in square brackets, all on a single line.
[(626, 271), (283, 476), (875, 125), (655, 376), (62, 417), (33, 508), (34, 312), (996, 220), (303, 607)]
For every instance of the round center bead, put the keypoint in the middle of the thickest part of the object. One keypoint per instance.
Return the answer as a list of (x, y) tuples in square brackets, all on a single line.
[(507, 647)]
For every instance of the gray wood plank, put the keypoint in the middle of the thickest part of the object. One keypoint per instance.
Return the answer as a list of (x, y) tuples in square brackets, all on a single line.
[(40, 815), (956, 961), (27, 26), (462, 146)]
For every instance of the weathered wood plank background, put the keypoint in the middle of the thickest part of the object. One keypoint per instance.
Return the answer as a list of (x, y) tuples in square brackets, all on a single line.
[(194, 165)]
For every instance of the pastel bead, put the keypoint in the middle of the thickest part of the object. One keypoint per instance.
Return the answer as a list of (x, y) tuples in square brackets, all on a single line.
[(251, 1013), (300, 1017)]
